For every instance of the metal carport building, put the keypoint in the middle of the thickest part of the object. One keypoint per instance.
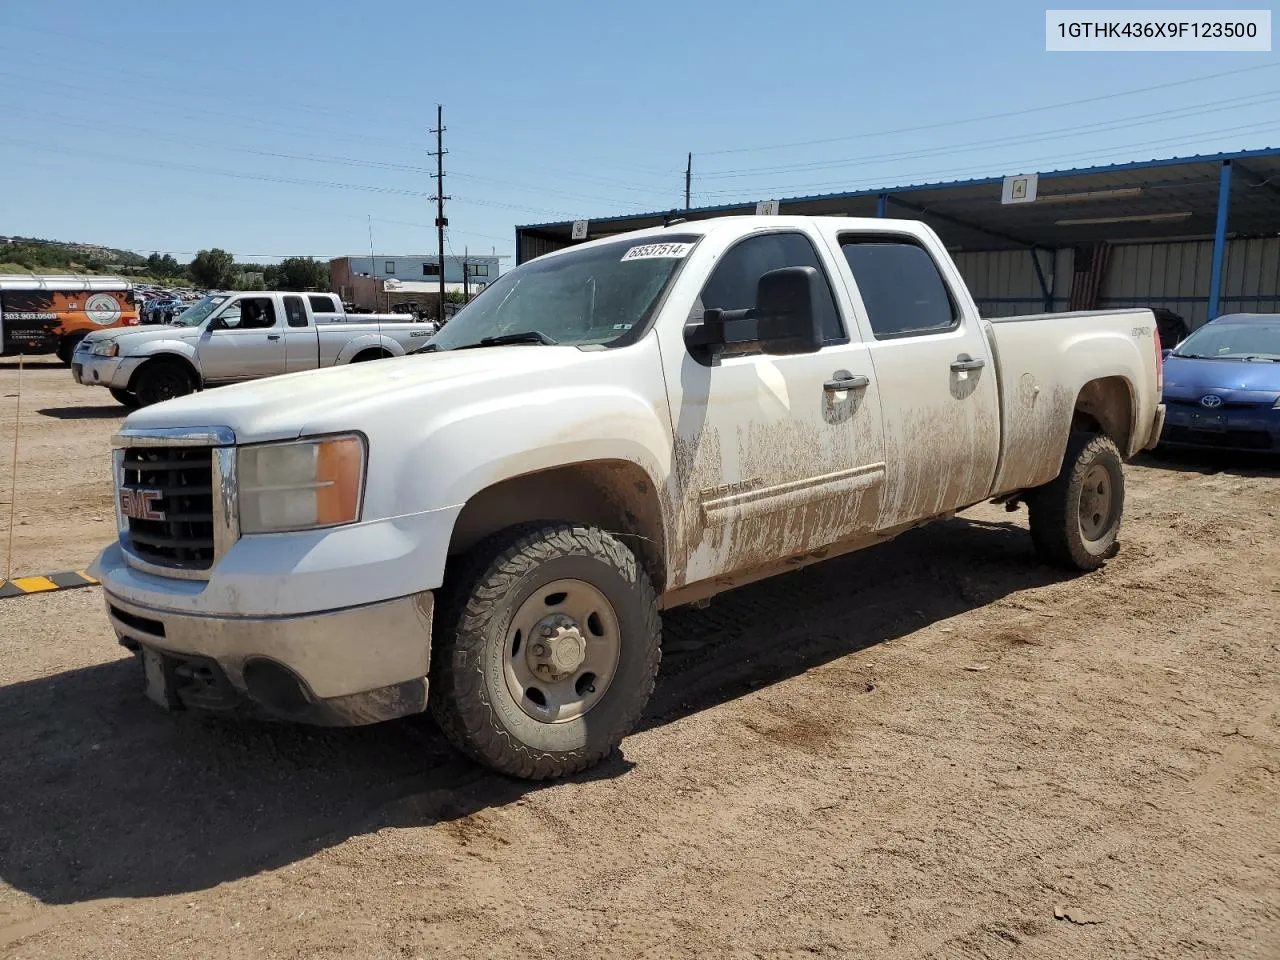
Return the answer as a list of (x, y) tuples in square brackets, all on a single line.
[(1199, 236)]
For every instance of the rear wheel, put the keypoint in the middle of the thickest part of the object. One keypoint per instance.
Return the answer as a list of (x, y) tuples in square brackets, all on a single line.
[(545, 651), (162, 380), (124, 397), (1075, 518), (67, 346), (369, 355)]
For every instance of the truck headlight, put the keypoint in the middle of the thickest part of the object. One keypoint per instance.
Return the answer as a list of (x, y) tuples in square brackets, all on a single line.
[(107, 349), (301, 484)]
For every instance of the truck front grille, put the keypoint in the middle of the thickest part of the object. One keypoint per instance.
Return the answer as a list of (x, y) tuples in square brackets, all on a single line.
[(167, 498)]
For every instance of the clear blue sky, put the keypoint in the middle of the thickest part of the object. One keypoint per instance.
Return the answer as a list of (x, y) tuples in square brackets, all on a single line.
[(176, 126)]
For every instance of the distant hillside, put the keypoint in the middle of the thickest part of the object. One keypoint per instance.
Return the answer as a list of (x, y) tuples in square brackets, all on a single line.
[(23, 254)]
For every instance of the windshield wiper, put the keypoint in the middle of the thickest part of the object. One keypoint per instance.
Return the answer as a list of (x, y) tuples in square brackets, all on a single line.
[(1193, 356), (527, 336), (1263, 359)]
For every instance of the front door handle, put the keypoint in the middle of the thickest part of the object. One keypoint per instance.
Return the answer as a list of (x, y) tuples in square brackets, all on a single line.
[(966, 362), (273, 336), (844, 380)]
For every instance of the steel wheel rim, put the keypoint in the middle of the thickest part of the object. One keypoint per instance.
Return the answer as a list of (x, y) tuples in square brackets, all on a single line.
[(1097, 505), (576, 628), (169, 387)]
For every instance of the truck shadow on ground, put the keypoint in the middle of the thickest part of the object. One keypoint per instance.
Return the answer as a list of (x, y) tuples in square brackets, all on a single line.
[(102, 795), (115, 411)]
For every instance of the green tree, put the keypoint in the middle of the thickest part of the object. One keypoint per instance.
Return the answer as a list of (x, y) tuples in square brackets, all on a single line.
[(166, 266), (298, 273), (213, 269)]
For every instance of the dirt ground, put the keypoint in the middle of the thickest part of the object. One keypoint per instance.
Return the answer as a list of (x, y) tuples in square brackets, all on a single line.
[(931, 749)]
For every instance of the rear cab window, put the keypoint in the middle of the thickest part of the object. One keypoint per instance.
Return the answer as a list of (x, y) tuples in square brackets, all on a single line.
[(294, 311), (323, 304), (902, 289)]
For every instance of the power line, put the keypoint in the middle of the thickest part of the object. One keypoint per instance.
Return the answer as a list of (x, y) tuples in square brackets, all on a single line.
[(267, 178), (938, 125), (956, 174), (1144, 119)]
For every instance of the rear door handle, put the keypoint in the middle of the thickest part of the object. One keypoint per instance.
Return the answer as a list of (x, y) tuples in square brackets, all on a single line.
[(844, 380), (273, 336), (966, 362)]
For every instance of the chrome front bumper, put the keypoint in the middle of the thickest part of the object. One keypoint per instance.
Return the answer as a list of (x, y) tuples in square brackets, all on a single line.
[(352, 666)]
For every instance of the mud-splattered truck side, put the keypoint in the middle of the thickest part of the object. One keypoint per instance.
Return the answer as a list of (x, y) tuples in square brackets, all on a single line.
[(621, 427)]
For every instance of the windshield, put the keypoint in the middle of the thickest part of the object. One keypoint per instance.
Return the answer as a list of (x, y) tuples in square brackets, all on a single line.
[(596, 295), (198, 312), (1233, 341)]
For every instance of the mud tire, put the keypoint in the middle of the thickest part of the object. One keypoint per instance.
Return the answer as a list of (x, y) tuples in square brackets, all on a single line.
[(1059, 528), (470, 698)]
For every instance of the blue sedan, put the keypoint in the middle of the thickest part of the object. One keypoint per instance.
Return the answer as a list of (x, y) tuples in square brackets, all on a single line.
[(1222, 385)]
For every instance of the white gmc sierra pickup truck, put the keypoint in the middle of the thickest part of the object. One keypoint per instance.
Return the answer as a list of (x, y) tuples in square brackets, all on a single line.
[(607, 431), (230, 337)]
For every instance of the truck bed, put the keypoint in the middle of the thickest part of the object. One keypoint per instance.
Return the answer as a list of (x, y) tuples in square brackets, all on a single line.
[(1044, 362)]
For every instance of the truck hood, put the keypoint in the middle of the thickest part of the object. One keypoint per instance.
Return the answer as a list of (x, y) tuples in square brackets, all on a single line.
[(1185, 378), (349, 397), (141, 334)]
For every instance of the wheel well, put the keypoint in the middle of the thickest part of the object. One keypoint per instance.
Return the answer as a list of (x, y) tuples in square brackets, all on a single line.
[(1106, 406), (614, 495), (165, 358), (371, 353)]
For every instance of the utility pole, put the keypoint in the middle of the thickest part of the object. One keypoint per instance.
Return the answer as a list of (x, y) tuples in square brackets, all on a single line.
[(466, 285), (440, 198), (688, 180)]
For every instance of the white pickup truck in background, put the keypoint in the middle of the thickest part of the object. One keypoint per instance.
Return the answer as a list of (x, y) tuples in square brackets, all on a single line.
[(229, 337), (607, 431)]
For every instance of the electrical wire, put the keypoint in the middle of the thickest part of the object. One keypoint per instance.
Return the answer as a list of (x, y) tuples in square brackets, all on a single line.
[(1104, 126), (941, 124)]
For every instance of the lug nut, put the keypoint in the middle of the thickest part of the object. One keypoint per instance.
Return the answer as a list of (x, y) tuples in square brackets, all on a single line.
[(546, 631), (539, 650)]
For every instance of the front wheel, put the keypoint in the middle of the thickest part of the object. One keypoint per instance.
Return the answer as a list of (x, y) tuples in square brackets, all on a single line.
[(162, 380), (124, 397), (1075, 518), (546, 647), (67, 346)]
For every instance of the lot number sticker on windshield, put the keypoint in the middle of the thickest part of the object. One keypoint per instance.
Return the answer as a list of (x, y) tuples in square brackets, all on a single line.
[(673, 251)]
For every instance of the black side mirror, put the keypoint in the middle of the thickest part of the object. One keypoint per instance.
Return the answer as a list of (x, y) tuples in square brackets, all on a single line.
[(784, 320), (786, 310)]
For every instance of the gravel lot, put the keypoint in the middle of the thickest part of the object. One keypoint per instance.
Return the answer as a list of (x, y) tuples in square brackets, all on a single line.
[(925, 750)]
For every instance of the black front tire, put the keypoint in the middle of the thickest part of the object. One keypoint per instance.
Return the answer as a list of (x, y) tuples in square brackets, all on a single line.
[(159, 381), (1075, 518), (125, 397), (67, 346), (469, 697)]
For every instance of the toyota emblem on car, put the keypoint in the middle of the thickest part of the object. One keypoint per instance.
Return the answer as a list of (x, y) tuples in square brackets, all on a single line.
[(1211, 400)]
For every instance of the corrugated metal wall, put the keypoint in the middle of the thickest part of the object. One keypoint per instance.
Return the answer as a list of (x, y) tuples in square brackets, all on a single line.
[(1170, 275), (533, 246), (1004, 282), (1176, 276)]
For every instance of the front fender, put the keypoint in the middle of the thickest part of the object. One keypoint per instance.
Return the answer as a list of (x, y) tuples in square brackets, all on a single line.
[(168, 347), (437, 450)]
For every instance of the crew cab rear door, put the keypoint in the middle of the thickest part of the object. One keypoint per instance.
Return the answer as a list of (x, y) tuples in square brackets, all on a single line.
[(775, 455), (301, 340), (936, 373)]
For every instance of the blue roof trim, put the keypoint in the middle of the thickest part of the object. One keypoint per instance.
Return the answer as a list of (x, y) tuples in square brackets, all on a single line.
[(941, 185)]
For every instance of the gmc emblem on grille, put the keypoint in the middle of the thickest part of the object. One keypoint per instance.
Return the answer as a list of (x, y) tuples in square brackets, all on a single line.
[(141, 504)]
